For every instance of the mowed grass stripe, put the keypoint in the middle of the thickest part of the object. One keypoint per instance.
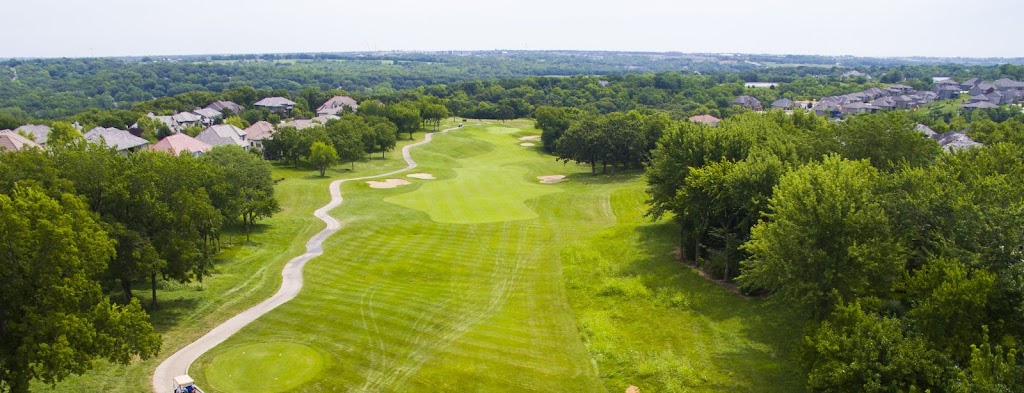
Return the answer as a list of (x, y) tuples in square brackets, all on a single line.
[(405, 299)]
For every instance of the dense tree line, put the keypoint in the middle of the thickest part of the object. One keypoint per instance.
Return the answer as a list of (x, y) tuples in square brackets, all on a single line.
[(907, 260), (80, 220)]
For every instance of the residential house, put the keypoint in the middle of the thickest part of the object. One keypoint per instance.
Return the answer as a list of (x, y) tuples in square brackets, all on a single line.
[(121, 140), (336, 104), (926, 131), (983, 88), (181, 143), (884, 103), (874, 93), (996, 97), (969, 84), (948, 90), (187, 119), (1006, 84), (904, 102), (301, 124), (783, 103), (207, 116), (706, 119), (897, 90), (956, 140), (828, 106), (12, 141), (168, 120), (36, 132), (259, 132), (278, 105), (748, 102), (220, 106), (223, 134), (854, 108)]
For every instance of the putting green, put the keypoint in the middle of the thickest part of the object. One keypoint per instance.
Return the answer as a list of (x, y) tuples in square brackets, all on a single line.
[(265, 367), (489, 184)]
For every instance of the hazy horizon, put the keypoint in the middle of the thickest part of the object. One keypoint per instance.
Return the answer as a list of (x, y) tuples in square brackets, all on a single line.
[(870, 28)]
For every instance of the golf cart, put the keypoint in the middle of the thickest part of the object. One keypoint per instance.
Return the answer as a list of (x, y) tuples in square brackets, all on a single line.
[(185, 384)]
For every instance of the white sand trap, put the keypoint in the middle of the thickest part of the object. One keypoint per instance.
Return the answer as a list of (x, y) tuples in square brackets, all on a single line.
[(551, 179), (527, 144), (530, 138), (389, 183), (424, 176)]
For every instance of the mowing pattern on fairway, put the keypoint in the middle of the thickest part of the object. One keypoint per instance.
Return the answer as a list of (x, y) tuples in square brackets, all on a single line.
[(406, 298), (264, 368)]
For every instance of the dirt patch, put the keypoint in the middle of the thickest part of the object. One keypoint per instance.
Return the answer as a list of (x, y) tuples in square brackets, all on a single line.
[(389, 183), (678, 254), (551, 179), (633, 389), (530, 138), (422, 176), (527, 144)]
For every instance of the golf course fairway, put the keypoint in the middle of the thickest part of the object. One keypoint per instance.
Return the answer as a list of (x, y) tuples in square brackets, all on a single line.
[(484, 279)]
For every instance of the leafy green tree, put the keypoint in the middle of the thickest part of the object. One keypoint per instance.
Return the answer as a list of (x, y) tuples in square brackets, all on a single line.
[(248, 190), (553, 122), (886, 140), (383, 135), (285, 145), (825, 238), (434, 113), (856, 351), (322, 156), (63, 134), (54, 317), (405, 115), (237, 122)]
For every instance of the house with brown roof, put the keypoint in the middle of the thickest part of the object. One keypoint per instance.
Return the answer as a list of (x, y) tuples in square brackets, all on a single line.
[(259, 132), (181, 143), (336, 105), (220, 106), (706, 119), (12, 141)]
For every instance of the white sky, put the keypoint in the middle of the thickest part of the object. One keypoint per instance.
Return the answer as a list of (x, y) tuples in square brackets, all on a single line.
[(75, 28)]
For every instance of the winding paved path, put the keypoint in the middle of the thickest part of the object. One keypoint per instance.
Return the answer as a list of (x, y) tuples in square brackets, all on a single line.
[(179, 362)]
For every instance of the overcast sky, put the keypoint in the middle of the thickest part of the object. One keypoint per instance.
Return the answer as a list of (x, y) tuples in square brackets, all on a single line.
[(75, 28)]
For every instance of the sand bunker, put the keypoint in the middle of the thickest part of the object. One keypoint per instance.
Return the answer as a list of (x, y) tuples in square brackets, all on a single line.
[(530, 138), (389, 183), (424, 176), (527, 144), (551, 179)]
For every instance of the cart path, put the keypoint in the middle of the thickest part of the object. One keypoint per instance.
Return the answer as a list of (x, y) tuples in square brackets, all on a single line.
[(179, 362)]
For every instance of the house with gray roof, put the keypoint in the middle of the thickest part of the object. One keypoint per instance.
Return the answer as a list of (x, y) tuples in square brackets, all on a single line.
[(38, 133), (783, 103), (223, 134), (207, 116), (982, 88), (969, 84), (187, 119), (979, 105), (121, 140), (279, 105), (926, 131), (705, 119), (748, 102), (220, 106), (884, 103), (956, 140)]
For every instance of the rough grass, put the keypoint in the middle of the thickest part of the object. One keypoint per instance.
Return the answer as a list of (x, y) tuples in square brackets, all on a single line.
[(581, 296)]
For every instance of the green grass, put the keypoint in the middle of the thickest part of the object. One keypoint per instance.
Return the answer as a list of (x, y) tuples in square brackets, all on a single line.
[(264, 368), (244, 275), (484, 280)]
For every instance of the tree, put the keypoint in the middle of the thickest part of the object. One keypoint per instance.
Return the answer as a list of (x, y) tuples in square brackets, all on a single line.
[(54, 317), (236, 121), (322, 156), (825, 238), (384, 135), (887, 140), (405, 115), (855, 351), (248, 190), (285, 145), (351, 137), (63, 134), (434, 113)]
